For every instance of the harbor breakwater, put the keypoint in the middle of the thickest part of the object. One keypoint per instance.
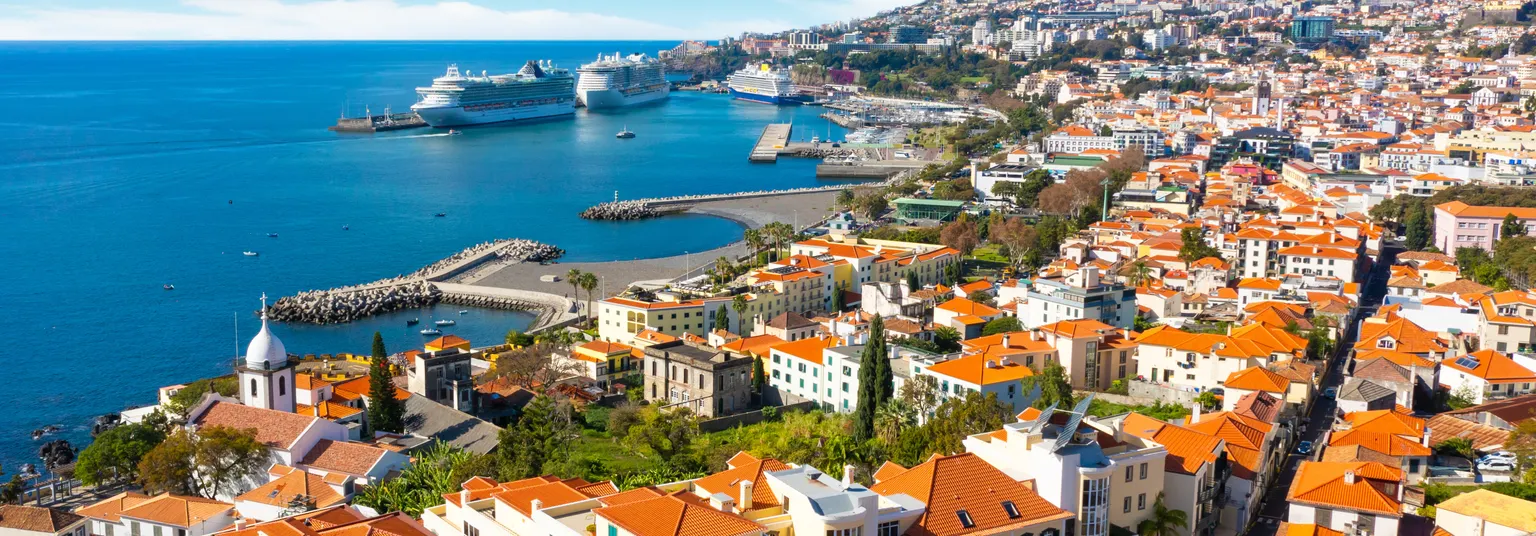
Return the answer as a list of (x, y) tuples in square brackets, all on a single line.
[(639, 209), (414, 290)]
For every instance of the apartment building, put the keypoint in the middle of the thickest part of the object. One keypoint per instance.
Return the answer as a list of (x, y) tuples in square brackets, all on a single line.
[(1080, 295), (1094, 354), (1104, 476), (1458, 225), (131, 513), (1196, 472)]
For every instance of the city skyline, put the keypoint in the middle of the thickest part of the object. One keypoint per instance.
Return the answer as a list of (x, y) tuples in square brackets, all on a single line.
[(256, 20)]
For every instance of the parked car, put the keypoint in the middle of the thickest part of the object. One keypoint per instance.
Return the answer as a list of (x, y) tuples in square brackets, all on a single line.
[(1501, 455), (1330, 392), (1304, 447), (1496, 465)]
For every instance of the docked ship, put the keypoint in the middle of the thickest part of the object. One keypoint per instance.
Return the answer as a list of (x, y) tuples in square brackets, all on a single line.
[(615, 81), (457, 99), (763, 83)]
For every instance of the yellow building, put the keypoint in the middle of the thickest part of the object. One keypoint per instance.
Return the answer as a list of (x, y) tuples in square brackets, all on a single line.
[(447, 342)]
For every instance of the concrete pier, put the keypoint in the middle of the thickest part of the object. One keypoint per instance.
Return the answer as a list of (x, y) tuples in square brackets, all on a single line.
[(774, 138)]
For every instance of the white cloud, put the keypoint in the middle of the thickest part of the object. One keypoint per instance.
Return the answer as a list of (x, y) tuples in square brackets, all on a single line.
[(355, 20)]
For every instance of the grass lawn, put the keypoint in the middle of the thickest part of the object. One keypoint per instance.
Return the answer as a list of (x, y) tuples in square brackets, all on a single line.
[(595, 445), (973, 79)]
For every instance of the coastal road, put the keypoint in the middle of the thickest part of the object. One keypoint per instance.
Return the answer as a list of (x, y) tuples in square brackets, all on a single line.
[(615, 276), (1274, 508)]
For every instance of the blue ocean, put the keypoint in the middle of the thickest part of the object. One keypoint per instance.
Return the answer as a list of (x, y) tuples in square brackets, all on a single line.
[(128, 166)]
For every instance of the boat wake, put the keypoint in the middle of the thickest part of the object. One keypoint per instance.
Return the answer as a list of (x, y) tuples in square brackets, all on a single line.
[(89, 153)]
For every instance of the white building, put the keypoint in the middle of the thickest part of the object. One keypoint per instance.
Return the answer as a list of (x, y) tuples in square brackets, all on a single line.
[(135, 514)]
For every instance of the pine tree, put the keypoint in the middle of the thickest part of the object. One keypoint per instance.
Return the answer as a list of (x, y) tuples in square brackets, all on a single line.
[(913, 283), (385, 412)]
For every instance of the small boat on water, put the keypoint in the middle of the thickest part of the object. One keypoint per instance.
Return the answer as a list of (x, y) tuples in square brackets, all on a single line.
[(625, 134), (168, 286), (251, 254), (440, 215), (346, 227), (271, 235), (413, 321), (445, 322), (431, 331), (463, 311), (452, 132)]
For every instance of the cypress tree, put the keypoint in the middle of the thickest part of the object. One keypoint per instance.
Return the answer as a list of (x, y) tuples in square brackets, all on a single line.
[(759, 377), (1419, 232), (884, 377), (385, 412), (874, 381)]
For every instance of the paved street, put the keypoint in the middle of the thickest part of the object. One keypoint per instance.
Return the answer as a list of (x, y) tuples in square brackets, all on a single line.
[(1273, 509)]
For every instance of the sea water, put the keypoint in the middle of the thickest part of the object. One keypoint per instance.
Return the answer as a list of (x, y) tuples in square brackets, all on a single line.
[(125, 167)]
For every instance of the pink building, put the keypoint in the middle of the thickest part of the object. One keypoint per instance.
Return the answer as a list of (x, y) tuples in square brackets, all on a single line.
[(1459, 225)]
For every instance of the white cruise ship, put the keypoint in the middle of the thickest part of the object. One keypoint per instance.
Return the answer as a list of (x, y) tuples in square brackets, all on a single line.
[(763, 83), (615, 81), (458, 99)]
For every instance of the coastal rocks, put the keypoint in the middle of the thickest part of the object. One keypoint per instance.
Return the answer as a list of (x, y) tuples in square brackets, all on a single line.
[(620, 211), (410, 291), (340, 306)]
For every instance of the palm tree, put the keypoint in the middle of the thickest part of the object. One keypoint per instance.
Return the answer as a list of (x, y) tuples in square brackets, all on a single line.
[(845, 199), (754, 240), (892, 418), (1164, 521), (1140, 273), (722, 269), (574, 278), (739, 304), (588, 283)]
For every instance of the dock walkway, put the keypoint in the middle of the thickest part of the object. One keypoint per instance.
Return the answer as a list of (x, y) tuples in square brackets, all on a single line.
[(774, 138)]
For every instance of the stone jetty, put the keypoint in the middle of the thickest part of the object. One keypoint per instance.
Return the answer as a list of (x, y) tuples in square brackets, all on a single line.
[(639, 209), (414, 290)]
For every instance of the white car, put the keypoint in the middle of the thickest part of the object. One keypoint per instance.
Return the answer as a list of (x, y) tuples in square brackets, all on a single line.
[(1503, 455), (1496, 465)]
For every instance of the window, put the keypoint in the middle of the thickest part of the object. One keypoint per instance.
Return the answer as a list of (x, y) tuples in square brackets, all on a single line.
[(965, 519), (252, 393), (1012, 509), (133, 528), (1129, 473), (109, 528), (1127, 503), (1141, 502), (158, 530), (889, 528), (613, 530), (470, 530), (1143, 470), (282, 386)]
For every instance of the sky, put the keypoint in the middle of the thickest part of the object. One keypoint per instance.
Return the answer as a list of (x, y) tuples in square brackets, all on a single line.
[(90, 20)]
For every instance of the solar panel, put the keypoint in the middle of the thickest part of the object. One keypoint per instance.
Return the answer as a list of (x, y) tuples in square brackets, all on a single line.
[(1467, 362), (1070, 430), (1045, 416)]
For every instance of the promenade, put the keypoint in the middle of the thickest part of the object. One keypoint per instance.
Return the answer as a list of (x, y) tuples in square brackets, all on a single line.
[(615, 276)]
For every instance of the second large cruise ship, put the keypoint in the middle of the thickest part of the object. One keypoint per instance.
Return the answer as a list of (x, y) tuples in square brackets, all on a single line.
[(763, 83), (614, 81), (457, 99)]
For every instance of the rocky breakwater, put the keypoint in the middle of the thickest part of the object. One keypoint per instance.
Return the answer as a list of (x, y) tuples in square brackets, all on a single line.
[(620, 211), (409, 291)]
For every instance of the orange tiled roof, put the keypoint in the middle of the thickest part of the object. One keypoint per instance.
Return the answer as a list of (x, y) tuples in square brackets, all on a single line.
[(671, 515), (343, 457), (1188, 450), (744, 467), (278, 429), (1258, 379), (176, 510), (109, 508), (1493, 366), (293, 483), (947, 484), (1353, 486)]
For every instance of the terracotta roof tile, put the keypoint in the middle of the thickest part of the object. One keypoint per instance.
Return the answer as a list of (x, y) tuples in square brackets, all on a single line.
[(948, 484), (176, 510), (343, 457), (35, 518), (278, 429), (671, 515)]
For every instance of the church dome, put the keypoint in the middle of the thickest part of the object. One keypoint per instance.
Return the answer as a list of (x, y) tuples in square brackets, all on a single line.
[(265, 350)]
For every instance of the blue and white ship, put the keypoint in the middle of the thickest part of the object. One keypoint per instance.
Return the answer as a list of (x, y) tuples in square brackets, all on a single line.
[(458, 99), (763, 83)]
